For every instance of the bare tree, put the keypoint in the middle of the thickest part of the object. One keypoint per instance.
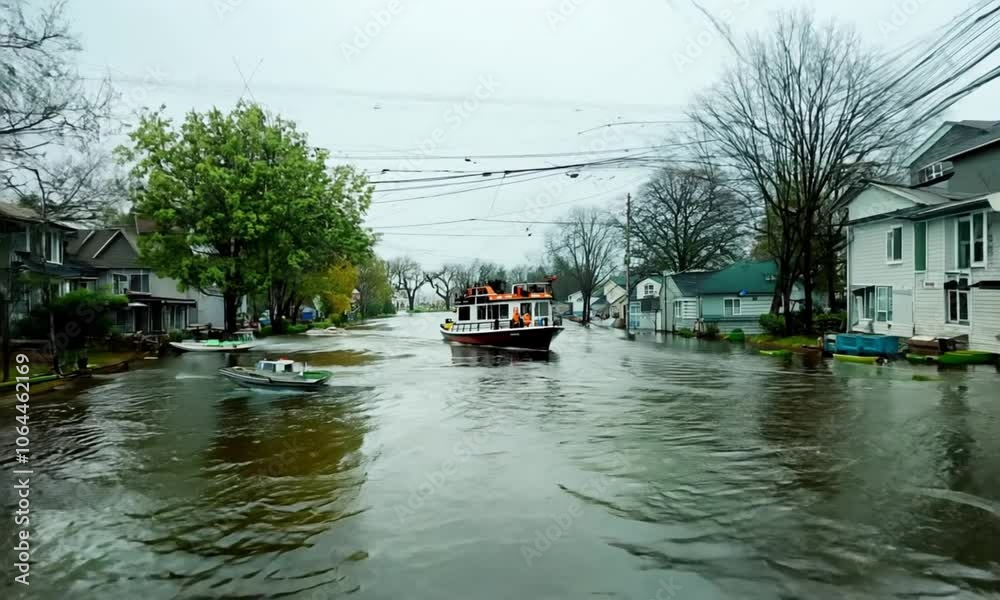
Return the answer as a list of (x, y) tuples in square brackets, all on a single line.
[(43, 98), (687, 219), (447, 281), (406, 277), (587, 247), (799, 106)]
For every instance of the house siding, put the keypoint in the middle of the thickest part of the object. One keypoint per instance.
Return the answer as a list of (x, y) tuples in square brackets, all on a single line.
[(876, 201), (751, 308), (869, 267), (985, 307), (933, 154), (977, 172)]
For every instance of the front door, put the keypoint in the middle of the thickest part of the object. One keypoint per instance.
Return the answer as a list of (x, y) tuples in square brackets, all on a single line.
[(156, 317)]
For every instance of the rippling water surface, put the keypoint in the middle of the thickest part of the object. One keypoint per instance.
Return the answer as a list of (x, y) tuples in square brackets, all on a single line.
[(654, 468)]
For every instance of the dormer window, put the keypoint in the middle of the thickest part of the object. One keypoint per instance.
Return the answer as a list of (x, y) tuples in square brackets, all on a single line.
[(934, 171)]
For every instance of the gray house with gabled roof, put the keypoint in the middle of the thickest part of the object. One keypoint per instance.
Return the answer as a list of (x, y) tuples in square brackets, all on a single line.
[(155, 303)]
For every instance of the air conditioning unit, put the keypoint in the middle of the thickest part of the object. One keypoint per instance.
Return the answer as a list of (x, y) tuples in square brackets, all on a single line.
[(930, 284)]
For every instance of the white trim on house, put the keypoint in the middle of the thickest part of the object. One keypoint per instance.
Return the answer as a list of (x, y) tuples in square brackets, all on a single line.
[(891, 244), (107, 243), (736, 304)]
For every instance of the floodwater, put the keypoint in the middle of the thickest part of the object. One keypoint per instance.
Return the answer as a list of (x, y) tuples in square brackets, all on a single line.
[(653, 468)]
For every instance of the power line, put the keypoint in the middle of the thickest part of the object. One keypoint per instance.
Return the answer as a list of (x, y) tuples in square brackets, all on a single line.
[(480, 235), (475, 220), (473, 189), (516, 156)]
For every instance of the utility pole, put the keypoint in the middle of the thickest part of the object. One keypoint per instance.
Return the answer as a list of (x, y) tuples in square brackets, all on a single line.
[(628, 270)]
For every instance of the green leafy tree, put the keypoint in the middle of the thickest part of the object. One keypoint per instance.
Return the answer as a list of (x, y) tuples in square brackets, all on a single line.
[(242, 203)]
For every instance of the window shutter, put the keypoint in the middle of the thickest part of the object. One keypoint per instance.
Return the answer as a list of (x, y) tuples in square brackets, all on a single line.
[(920, 246)]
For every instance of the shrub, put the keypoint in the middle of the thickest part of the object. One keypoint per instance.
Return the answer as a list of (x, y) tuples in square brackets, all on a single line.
[(772, 324), (320, 324), (265, 331), (296, 329), (711, 331), (685, 332), (176, 335), (831, 322), (736, 335)]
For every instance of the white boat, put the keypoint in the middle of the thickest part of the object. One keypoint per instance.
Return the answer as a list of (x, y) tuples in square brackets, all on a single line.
[(328, 331), (283, 373), (242, 343)]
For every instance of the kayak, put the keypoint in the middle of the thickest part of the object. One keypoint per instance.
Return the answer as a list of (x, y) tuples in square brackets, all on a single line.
[(868, 360)]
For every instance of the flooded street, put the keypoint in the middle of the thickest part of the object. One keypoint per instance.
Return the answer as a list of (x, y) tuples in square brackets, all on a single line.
[(655, 468)]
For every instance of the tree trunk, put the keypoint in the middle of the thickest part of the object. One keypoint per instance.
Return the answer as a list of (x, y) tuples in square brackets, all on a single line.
[(586, 308), (295, 312), (808, 285), (831, 280), (52, 339), (230, 301), (412, 297), (6, 338)]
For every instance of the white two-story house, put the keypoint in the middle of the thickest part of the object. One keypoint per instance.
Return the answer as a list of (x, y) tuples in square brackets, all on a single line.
[(924, 259)]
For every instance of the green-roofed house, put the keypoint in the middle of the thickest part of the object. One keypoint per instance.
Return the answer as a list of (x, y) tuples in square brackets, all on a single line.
[(732, 298)]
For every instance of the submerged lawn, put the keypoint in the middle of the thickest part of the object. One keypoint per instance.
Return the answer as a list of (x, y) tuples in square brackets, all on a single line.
[(793, 342)]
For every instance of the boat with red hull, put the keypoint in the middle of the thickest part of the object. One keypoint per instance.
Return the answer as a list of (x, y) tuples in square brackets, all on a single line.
[(521, 319)]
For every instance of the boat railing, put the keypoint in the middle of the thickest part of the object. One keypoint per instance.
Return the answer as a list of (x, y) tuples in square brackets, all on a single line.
[(494, 325)]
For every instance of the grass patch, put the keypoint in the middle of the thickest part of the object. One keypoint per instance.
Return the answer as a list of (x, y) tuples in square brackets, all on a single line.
[(795, 341), (685, 333)]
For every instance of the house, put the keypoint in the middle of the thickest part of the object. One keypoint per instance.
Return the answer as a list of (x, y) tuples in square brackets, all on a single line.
[(646, 305), (607, 302), (110, 258), (29, 244), (924, 259), (576, 302), (960, 157), (925, 263), (731, 298)]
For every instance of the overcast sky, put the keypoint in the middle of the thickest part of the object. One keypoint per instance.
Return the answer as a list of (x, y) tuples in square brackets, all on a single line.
[(381, 79)]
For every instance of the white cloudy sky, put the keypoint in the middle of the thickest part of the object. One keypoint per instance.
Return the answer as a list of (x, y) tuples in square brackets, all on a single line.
[(545, 77)]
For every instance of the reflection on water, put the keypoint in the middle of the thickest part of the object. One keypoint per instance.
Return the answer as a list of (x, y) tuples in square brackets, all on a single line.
[(610, 468)]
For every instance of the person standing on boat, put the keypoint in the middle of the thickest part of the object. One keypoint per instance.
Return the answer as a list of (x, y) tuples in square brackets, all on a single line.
[(515, 320), (526, 319)]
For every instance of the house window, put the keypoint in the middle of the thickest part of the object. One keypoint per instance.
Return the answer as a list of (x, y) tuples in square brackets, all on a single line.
[(980, 227), (971, 240), (957, 300), (894, 245), (678, 309), (119, 283), (647, 290), (731, 307), (139, 282), (52, 241), (883, 304), (920, 246)]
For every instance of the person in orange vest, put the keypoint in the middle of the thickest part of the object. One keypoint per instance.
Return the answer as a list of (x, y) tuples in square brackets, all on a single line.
[(515, 321), (527, 319)]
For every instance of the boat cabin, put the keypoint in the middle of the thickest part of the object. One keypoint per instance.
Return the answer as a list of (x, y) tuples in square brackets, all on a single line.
[(277, 366), (488, 307)]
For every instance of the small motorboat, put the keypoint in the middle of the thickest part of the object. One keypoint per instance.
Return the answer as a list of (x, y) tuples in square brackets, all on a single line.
[(325, 332), (282, 373), (243, 342)]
